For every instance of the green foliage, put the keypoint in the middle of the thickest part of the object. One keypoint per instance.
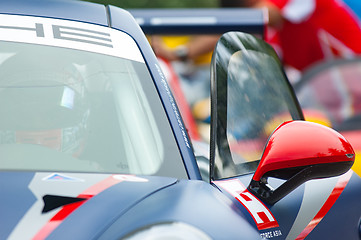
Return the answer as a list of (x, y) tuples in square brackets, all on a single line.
[(159, 3)]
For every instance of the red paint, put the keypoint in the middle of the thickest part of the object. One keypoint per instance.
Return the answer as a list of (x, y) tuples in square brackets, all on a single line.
[(340, 186), (245, 197), (261, 215), (65, 211), (354, 137), (301, 143)]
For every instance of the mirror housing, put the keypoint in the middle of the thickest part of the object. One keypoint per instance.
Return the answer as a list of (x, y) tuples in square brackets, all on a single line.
[(298, 151)]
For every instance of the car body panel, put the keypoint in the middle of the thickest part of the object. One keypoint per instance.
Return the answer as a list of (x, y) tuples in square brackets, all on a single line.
[(174, 208), (93, 203), (101, 191), (308, 214), (339, 215), (156, 199), (72, 10)]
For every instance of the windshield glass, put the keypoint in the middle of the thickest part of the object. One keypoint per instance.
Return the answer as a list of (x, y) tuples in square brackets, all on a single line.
[(64, 109), (253, 99)]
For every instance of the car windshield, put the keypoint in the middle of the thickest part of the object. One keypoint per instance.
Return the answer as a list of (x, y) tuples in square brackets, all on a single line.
[(72, 110)]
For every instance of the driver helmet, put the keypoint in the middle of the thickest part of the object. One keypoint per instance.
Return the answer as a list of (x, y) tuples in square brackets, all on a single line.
[(43, 102)]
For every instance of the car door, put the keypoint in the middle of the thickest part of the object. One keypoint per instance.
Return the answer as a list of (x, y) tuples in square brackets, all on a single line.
[(289, 177)]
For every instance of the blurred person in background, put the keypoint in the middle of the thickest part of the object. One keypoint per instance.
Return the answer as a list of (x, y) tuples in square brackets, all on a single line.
[(305, 32), (308, 32), (355, 6)]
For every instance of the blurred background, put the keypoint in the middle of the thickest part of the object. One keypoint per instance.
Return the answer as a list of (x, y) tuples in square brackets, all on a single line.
[(321, 55), (159, 3)]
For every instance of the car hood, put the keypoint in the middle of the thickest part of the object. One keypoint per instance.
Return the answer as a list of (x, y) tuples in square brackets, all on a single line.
[(38, 204)]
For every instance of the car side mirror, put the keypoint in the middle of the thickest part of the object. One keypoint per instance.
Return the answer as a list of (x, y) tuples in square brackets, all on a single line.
[(298, 151)]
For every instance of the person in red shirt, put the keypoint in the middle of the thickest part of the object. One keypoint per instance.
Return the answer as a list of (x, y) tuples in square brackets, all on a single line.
[(316, 30), (304, 32)]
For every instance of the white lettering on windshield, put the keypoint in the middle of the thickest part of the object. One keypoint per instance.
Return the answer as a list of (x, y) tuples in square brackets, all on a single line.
[(69, 33), (39, 29)]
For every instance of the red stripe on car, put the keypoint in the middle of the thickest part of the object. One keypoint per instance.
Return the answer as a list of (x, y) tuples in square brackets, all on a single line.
[(336, 192), (65, 211)]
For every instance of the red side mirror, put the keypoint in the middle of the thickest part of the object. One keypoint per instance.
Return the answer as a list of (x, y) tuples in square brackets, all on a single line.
[(298, 151)]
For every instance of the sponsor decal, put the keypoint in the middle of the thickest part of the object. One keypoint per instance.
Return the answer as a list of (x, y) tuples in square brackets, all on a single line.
[(261, 215), (271, 234)]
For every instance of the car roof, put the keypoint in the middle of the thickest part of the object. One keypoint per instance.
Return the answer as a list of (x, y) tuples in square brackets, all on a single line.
[(70, 10), (75, 10)]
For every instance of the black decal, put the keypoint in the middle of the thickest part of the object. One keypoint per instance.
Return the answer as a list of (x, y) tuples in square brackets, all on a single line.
[(52, 202), (82, 35)]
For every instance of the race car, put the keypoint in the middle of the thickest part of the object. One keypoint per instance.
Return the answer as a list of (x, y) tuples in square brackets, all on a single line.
[(93, 146)]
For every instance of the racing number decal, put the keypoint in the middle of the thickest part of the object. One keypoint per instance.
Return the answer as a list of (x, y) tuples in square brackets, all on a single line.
[(259, 212)]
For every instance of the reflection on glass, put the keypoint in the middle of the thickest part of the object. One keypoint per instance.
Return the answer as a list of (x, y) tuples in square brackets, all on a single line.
[(258, 99), (70, 110), (255, 108)]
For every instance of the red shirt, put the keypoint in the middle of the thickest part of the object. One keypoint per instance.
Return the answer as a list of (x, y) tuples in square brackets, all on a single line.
[(316, 30)]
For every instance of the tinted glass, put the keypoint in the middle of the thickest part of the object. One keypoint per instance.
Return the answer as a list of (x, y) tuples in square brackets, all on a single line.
[(258, 99), (71, 110)]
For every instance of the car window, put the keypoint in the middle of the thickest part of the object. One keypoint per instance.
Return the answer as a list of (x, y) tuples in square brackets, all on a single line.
[(256, 103), (65, 109)]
